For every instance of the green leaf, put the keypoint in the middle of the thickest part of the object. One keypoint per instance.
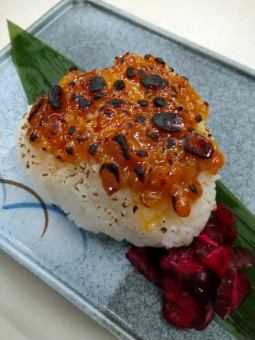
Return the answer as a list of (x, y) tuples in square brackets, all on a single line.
[(39, 66)]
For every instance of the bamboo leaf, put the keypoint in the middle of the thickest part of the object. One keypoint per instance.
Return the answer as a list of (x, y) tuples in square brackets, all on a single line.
[(40, 66)]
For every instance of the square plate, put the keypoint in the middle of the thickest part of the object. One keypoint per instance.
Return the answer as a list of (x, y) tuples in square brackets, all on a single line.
[(91, 270)]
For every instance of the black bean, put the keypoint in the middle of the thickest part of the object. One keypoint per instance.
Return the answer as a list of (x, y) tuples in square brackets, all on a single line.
[(113, 168), (190, 129), (170, 161), (198, 118), (140, 172), (83, 103), (143, 103), (131, 72), (140, 119), (129, 125), (193, 188), (119, 84), (153, 81), (160, 60), (33, 137), (99, 95), (96, 84), (142, 153), (159, 101), (71, 130), (35, 108), (198, 145), (168, 121), (54, 94), (93, 149), (69, 150), (121, 140), (170, 143), (116, 102)]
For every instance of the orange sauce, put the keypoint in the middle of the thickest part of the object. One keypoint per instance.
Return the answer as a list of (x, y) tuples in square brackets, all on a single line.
[(154, 162)]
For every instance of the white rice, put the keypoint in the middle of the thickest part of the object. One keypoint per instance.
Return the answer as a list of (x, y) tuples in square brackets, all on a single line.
[(79, 192)]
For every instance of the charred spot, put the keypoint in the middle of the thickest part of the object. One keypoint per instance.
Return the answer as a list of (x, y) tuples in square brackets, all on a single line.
[(35, 108), (198, 145), (159, 101), (131, 72), (69, 150), (206, 103), (113, 168), (108, 113), (116, 102), (81, 139), (99, 95), (198, 118), (190, 129), (54, 94), (147, 56), (174, 202), (33, 137), (140, 119), (179, 109), (170, 143), (135, 207), (143, 103), (75, 96), (142, 153), (93, 149), (140, 172), (163, 230), (193, 188), (71, 130), (160, 60), (119, 85), (153, 136), (153, 81), (168, 121), (73, 68), (83, 103), (170, 161), (121, 140), (96, 84)]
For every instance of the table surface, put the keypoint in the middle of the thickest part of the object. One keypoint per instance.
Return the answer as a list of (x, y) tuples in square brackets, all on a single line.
[(29, 309)]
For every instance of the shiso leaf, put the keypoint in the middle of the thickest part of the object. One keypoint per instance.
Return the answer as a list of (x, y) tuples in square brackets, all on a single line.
[(39, 67)]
